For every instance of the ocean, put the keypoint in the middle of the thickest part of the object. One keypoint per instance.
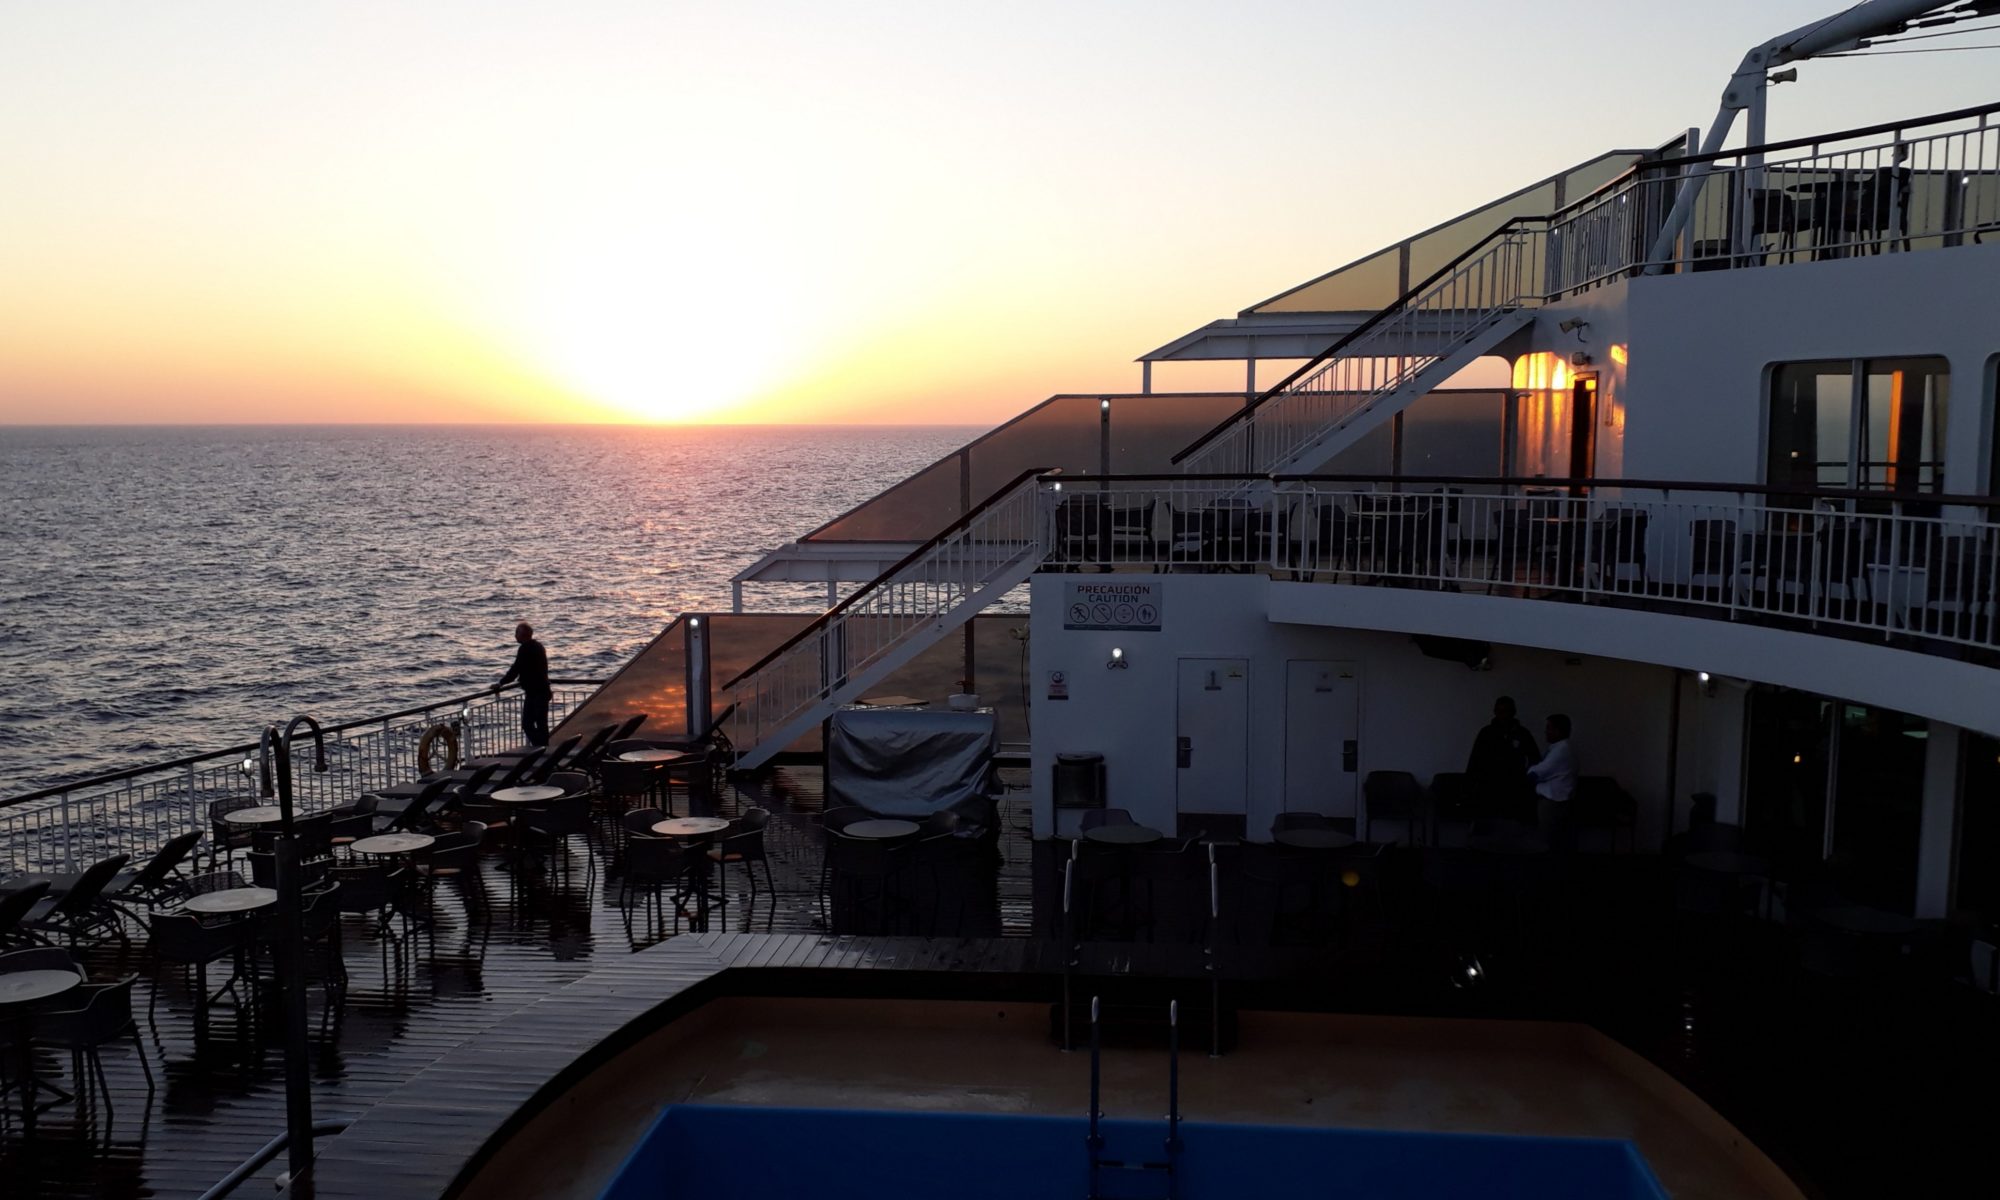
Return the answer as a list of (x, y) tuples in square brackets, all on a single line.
[(170, 590)]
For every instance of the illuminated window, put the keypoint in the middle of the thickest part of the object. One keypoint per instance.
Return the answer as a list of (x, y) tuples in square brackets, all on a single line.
[(1868, 424)]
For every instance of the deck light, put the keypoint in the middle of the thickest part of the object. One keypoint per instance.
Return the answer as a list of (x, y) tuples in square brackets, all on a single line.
[(1104, 404), (1701, 676), (694, 622), (1117, 662), (248, 766)]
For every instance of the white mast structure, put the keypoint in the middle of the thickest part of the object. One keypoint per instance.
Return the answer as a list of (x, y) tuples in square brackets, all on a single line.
[(1846, 30)]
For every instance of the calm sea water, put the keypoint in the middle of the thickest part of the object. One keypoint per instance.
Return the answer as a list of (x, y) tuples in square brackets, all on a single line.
[(165, 591)]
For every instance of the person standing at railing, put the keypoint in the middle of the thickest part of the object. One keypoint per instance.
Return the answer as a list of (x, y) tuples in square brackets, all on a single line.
[(531, 668), (1555, 780)]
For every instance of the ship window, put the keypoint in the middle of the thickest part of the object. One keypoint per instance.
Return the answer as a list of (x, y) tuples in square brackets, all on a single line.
[(1867, 424)]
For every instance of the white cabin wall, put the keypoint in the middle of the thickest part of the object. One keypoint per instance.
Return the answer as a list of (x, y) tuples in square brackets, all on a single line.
[(1701, 343), (1418, 714)]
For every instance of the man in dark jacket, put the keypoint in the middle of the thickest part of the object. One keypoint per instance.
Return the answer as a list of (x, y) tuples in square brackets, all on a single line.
[(531, 667), (1501, 756)]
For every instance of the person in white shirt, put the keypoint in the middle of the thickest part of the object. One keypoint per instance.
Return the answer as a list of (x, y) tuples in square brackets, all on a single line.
[(1555, 779)]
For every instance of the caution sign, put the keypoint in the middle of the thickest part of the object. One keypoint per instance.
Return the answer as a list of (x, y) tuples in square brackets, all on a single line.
[(1134, 606)]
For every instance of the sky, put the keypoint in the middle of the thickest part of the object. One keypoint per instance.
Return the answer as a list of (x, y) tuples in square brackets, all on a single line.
[(938, 213)]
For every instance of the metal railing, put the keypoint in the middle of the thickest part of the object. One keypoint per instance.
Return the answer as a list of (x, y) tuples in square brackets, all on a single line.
[(974, 560), (135, 811), (1385, 355), (1905, 565), (1790, 202), (1922, 188)]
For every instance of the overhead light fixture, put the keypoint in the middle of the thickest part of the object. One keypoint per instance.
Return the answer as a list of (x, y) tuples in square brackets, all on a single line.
[(1788, 75)]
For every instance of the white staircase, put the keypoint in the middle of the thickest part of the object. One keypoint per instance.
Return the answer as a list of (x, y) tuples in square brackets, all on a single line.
[(1460, 313), (855, 645)]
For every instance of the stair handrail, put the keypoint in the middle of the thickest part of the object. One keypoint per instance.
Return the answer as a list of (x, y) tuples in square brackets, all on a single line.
[(888, 576), (1353, 335), (931, 589), (1382, 356)]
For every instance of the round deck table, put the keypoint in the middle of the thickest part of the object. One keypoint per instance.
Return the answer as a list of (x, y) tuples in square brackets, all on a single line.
[(531, 794), (393, 843), (20, 991), (1123, 835), (262, 814), (652, 756), (230, 901), (882, 829), (690, 827)]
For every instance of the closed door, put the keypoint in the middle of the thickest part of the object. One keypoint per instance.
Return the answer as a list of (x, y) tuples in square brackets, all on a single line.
[(1212, 736), (1322, 737)]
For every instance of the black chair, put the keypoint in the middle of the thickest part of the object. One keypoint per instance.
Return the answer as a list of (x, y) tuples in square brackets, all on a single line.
[(1393, 796), (553, 760), (352, 822), (630, 727), (1712, 555), (181, 939), (640, 821), (39, 958), (214, 881), (14, 909), (573, 783), (652, 864), (225, 838), (91, 1018), (368, 889), (158, 882), (743, 842), (866, 895), (1618, 543), (558, 820), (82, 911), (416, 815), (624, 783)]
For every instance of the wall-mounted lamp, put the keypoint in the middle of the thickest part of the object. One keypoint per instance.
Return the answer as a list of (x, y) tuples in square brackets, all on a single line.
[(1706, 681), (1104, 405), (694, 622), (248, 766), (1118, 661), (1575, 325), (1056, 486)]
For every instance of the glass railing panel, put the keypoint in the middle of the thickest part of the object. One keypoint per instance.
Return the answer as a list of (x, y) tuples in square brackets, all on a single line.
[(1438, 247), (1063, 433), (654, 682), (911, 511), (1364, 285), (1147, 431), (1593, 175)]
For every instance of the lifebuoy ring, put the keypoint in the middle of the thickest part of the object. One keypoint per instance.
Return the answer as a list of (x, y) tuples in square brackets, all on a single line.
[(431, 738)]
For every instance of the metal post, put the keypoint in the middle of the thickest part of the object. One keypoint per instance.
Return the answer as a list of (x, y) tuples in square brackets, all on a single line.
[(699, 704), (1173, 1076)]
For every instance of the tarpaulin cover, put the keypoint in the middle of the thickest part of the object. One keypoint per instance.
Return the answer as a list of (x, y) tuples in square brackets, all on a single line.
[(910, 762)]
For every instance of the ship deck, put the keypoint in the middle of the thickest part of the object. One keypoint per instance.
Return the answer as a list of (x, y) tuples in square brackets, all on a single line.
[(1852, 1085)]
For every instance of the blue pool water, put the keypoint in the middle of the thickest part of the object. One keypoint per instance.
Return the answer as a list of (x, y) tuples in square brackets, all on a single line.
[(721, 1153)]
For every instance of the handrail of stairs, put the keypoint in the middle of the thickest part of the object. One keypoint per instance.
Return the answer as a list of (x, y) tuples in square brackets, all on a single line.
[(1352, 336), (931, 588), (1503, 273)]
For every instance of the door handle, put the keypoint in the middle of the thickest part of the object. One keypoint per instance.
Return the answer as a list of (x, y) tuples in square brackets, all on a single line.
[(1350, 753), (1183, 752)]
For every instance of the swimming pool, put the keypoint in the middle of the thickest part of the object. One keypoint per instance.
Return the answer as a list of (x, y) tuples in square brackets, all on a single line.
[(719, 1152)]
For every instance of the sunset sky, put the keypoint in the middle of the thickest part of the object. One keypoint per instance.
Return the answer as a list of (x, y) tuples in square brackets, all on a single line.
[(875, 212)]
